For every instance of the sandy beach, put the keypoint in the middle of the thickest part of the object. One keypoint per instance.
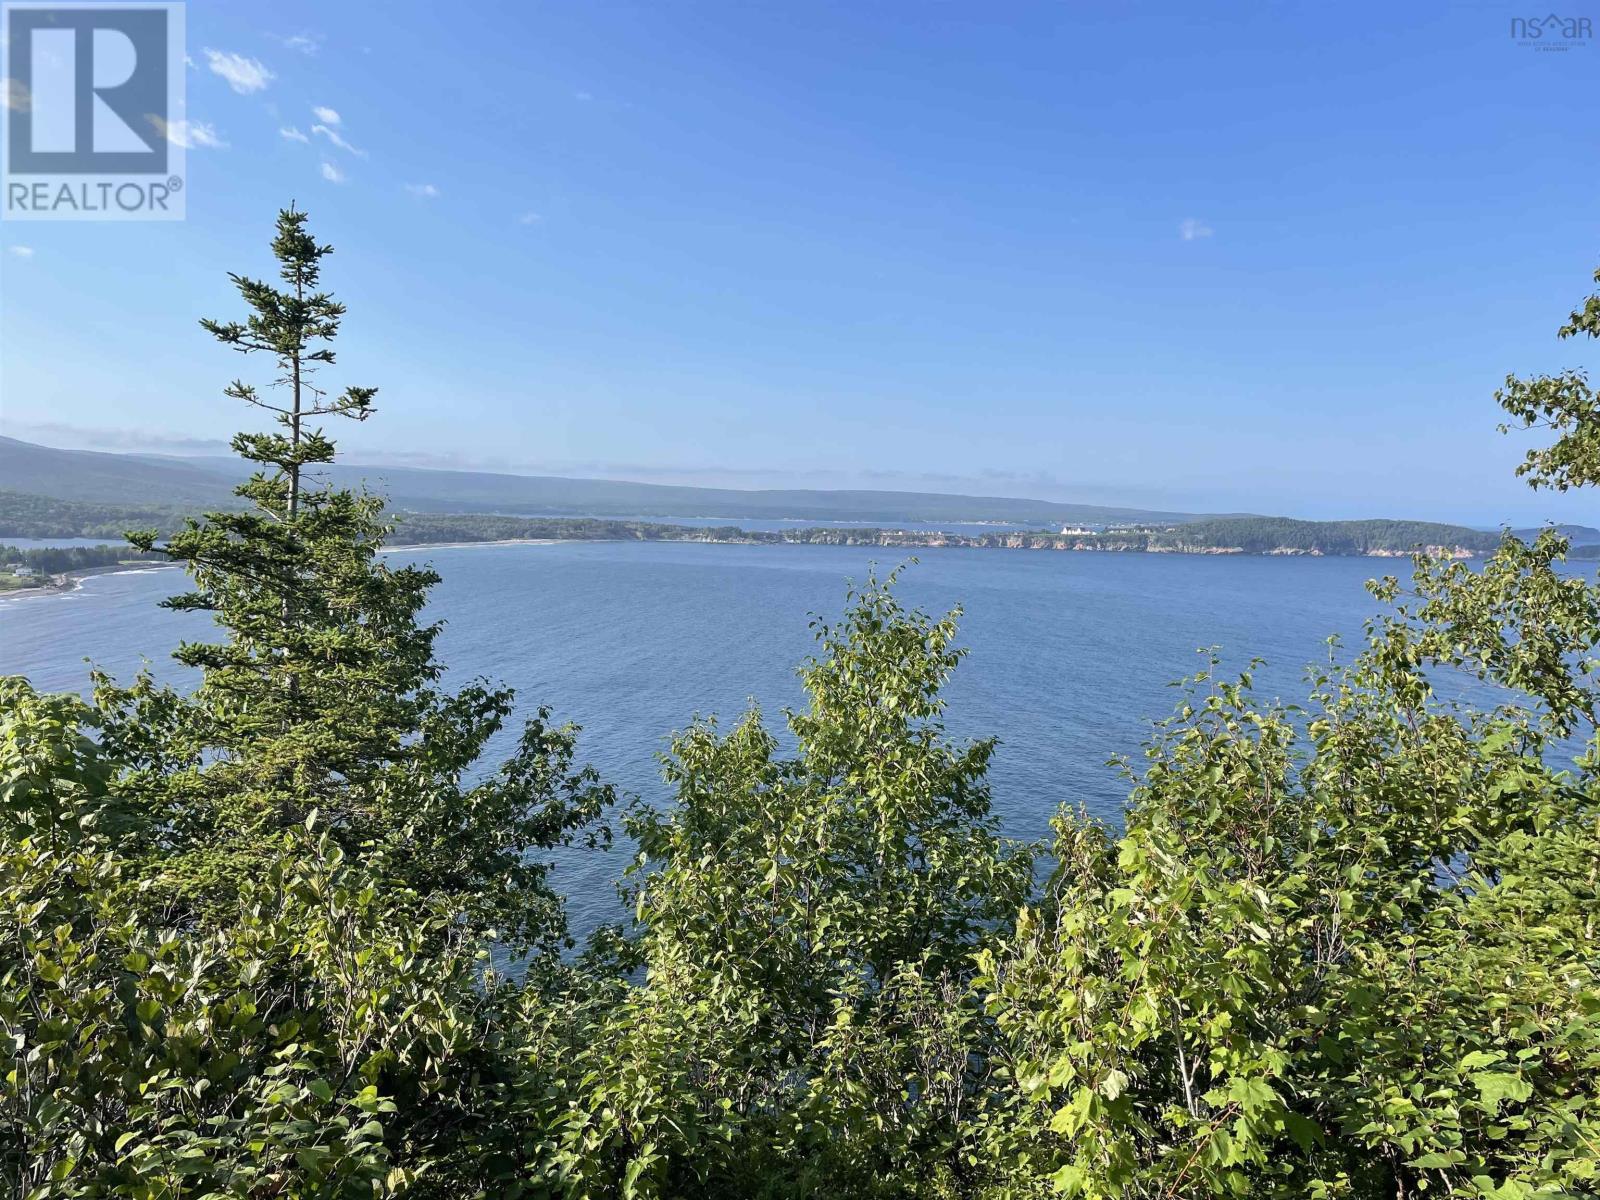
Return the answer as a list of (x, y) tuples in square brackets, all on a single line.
[(71, 581)]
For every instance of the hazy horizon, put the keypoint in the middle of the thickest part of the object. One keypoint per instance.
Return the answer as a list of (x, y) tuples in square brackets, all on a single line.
[(210, 456)]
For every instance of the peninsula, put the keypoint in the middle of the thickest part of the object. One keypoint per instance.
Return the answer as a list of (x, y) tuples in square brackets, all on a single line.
[(27, 516)]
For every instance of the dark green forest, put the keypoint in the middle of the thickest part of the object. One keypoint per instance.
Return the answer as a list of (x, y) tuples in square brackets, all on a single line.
[(57, 559), (28, 516), (1341, 949), (1265, 535)]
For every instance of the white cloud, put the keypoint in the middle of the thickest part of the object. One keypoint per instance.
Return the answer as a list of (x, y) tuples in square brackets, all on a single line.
[(529, 218), (202, 133), (426, 190), (22, 251), (14, 95), (57, 433), (326, 115), (332, 173), (244, 75), (291, 134), (1193, 228), (333, 136), (306, 43), (191, 135)]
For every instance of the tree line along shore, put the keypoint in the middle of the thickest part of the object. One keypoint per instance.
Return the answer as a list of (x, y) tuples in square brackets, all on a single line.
[(28, 516)]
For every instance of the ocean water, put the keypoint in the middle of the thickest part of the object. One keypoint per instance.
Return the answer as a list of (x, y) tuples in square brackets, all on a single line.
[(1070, 655)]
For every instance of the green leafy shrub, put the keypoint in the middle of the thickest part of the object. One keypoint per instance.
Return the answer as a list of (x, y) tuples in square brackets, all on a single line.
[(261, 1059)]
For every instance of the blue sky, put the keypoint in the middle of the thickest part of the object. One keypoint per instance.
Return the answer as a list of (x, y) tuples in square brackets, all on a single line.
[(1268, 258)]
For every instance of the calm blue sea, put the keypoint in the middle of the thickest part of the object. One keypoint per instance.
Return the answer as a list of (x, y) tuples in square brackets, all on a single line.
[(1070, 655)]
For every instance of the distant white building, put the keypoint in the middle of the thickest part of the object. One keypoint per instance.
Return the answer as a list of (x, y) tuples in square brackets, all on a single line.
[(1076, 530), (23, 572)]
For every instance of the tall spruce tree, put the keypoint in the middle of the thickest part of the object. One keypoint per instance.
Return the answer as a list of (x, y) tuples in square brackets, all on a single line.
[(321, 697), (323, 671)]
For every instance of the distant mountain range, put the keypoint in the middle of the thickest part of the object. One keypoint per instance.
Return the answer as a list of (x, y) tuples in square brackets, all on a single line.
[(97, 477), (1578, 535), (163, 487)]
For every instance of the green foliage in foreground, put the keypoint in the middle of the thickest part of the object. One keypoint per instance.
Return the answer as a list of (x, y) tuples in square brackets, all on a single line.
[(257, 1058), (1565, 404), (1345, 950)]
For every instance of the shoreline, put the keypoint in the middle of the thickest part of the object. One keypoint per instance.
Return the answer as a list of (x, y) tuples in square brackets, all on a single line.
[(487, 542), (933, 542), (67, 582), (893, 540), (70, 581)]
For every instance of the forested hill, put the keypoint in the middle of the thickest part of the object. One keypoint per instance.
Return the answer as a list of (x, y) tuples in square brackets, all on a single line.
[(1280, 535)]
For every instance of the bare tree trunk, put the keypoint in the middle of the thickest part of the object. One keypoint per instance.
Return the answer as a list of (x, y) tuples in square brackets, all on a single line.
[(294, 425), (294, 467)]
